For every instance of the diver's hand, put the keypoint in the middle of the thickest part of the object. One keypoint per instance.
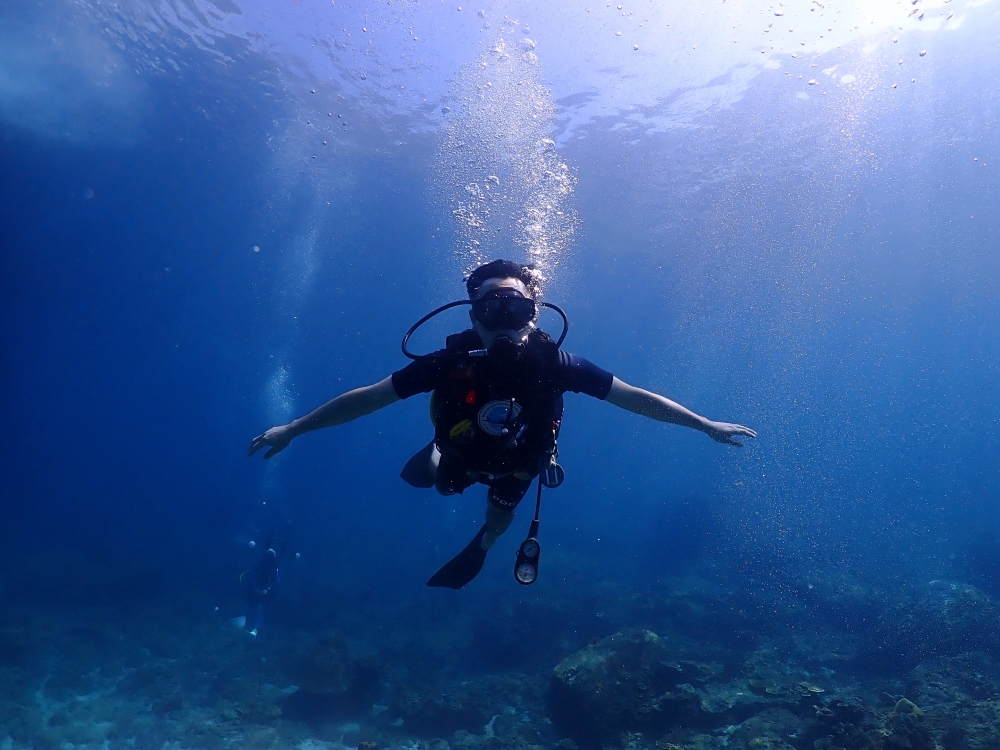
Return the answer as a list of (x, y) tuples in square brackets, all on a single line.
[(723, 432), (277, 438)]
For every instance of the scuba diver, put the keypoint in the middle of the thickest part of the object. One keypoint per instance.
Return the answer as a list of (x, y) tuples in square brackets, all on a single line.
[(497, 407), (261, 584)]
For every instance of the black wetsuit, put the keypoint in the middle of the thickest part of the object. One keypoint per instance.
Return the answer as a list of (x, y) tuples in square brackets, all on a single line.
[(494, 424)]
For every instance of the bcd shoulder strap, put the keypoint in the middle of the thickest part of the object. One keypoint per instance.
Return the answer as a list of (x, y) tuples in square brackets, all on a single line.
[(463, 341)]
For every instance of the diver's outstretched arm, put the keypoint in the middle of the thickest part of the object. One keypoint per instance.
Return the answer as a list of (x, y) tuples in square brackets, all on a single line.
[(344, 408), (658, 407)]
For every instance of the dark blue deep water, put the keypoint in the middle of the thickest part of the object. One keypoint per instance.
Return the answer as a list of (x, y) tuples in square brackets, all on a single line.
[(216, 216)]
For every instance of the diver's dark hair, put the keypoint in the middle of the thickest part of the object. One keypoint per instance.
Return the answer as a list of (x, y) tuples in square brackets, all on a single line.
[(505, 269)]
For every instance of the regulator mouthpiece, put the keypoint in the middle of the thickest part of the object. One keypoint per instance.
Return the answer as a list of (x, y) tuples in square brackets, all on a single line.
[(505, 351)]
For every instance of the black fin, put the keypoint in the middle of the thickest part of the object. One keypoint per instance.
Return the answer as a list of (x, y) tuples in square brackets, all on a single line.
[(421, 469), (463, 567)]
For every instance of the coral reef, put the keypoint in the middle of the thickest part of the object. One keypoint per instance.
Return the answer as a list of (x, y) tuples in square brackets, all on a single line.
[(332, 681), (814, 679), (630, 681)]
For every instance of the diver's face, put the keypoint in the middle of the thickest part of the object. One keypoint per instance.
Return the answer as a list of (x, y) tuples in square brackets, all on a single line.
[(493, 285)]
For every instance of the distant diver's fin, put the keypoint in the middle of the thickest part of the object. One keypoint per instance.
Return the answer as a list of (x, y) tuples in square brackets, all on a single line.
[(463, 567), (421, 469), (239, 622)]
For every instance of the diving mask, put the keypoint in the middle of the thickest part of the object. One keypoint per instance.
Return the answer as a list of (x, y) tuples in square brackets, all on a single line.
[(504, 309)]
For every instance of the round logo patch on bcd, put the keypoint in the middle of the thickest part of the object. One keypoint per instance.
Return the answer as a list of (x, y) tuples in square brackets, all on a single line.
[(494, 416)]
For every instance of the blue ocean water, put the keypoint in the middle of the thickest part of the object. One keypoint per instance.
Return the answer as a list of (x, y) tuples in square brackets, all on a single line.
[(216, 216)]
